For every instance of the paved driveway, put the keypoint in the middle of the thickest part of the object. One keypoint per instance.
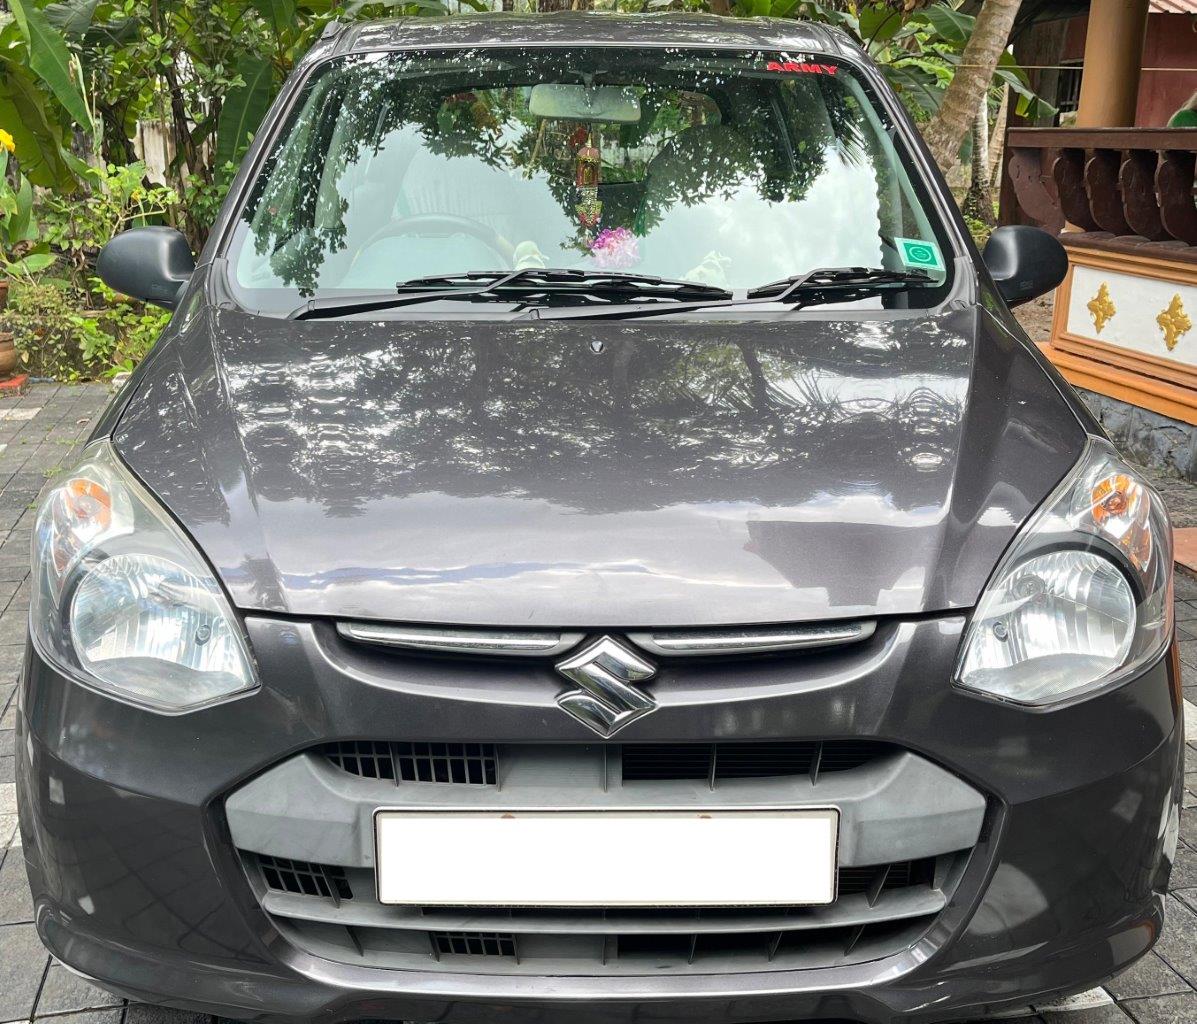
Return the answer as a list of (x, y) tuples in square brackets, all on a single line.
[(37, 436)]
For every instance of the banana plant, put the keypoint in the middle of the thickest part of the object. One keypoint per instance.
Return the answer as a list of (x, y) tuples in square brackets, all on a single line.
[(20, 252)]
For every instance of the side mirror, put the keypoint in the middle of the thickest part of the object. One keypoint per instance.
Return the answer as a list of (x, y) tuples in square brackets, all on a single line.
[(1025, 262), (151, 264)]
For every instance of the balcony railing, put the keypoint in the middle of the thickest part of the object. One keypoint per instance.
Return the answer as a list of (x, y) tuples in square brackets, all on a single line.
[(1124, 189)]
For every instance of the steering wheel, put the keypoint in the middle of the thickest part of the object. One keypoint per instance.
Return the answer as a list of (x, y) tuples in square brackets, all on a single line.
[(445, 224)]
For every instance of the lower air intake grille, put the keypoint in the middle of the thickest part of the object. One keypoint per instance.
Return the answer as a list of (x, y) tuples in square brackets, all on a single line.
[(476, 764), (301, 878), (473, 944), (722, 762), (304, 879), (471, 764)]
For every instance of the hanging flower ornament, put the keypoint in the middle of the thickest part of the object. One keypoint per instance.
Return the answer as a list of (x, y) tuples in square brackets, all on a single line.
[(615, 249)]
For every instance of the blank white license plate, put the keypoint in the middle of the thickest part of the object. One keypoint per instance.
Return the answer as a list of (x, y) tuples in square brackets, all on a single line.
[(607, 858)]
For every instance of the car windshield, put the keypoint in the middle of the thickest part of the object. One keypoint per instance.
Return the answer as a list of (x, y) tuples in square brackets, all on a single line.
[(730, 169)]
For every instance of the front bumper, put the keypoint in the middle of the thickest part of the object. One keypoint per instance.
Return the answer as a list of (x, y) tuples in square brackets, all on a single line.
[(137, 882)]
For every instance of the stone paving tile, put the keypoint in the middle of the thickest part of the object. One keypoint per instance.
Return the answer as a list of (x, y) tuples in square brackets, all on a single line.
[(1178, 945), (1170, 1009), (1111, 1013), (110, 1016), (16, 905), (1149, 977), (66, 992), (144, 1013), (23, 961), (1184, 873)]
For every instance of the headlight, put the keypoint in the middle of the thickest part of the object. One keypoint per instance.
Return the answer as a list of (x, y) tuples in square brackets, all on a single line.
[(1083, 598), (122, 602)]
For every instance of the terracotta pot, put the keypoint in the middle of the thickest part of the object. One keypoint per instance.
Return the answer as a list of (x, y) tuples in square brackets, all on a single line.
[(8, 355)]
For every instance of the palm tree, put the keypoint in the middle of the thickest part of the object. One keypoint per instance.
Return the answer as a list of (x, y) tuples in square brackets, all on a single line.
[(980, 58)]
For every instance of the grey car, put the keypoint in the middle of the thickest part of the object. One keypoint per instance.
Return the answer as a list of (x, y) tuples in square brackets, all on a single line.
[(593, 545)]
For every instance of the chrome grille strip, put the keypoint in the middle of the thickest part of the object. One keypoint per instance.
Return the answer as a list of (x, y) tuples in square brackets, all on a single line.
[(676, 643), (508, 643), (691, 643)]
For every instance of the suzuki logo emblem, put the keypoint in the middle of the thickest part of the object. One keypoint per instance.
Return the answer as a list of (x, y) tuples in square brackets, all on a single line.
[(607, 700)]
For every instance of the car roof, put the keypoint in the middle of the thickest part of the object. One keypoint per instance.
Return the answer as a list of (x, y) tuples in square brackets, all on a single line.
[(568, 28)]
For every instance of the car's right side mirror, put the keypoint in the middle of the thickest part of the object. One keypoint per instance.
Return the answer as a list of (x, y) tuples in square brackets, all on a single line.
[(152, 264), (1025, 262)]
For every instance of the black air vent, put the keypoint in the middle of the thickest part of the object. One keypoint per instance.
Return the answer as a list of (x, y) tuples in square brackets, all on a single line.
[(302, 878), (721, 762), (676, 948), (473, 944), (883, 877), (472, 764)]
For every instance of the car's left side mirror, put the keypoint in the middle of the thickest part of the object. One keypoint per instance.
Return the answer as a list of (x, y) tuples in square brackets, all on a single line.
[(1025, 262), (152, 264)]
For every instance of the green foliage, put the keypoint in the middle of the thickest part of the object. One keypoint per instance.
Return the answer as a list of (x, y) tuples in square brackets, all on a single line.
[(115, 198), (979, 230), (28, 114), (243, 109), (58, 337), (39, 316), (50, 60), (20, 252), (118, 338)]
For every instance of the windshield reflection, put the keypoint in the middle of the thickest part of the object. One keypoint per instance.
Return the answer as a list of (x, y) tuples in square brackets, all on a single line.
[(671, 162)]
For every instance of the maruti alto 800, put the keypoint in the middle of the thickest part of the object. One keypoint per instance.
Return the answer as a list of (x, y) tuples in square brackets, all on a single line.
[(593, 545)]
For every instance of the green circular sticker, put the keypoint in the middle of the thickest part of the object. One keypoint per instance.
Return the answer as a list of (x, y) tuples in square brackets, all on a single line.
[(917, 253)]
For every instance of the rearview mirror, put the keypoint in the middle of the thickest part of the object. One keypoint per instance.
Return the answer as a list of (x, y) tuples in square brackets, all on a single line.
[(151, 264), (1025, 262), (564, 101)]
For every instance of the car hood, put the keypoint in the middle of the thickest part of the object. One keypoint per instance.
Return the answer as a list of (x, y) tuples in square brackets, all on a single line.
[(599, 474)]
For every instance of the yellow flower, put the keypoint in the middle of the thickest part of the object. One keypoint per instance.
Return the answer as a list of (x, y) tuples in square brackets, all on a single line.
[(6, 141)]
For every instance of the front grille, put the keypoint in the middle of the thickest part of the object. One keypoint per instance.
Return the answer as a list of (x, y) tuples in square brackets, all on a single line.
[(324, 899), (879, 910), (477, 764), (302, 878), (472, 764)]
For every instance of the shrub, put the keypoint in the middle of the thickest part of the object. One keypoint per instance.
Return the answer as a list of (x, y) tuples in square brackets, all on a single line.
[(58, 336)]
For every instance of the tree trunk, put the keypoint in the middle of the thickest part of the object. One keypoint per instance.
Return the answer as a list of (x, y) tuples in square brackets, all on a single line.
[(978, 203), (997, 138), (981, 54)]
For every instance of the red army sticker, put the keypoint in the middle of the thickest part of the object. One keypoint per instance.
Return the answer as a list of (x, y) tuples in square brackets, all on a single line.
[(793, 67)]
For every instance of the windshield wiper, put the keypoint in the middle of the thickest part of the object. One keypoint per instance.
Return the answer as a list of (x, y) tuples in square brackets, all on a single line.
[(519, 287), (598, 284), (838, 279), (826, 284)]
